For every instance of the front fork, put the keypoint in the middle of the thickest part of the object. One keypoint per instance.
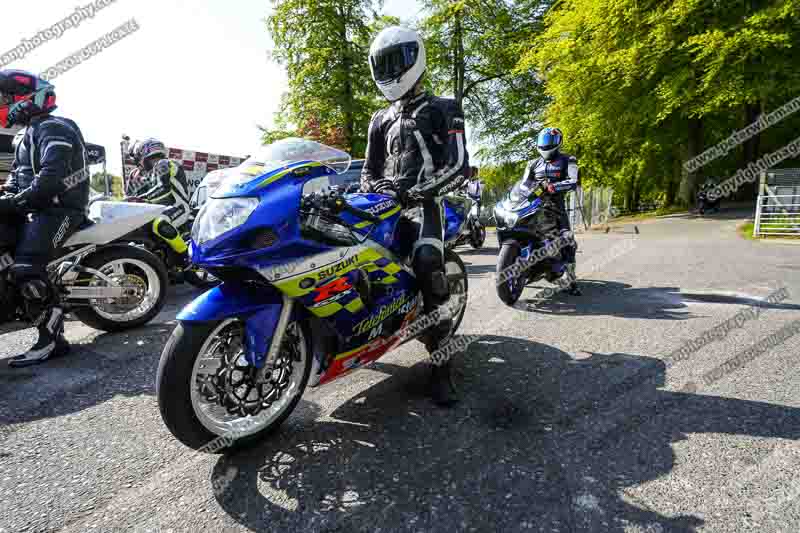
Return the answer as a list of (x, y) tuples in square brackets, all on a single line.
[(257, 338)]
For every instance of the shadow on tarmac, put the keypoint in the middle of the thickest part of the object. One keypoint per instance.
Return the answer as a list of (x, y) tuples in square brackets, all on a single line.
[(539, 441)]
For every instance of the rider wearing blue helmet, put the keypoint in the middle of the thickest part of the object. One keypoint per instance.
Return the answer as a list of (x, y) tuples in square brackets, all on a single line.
[(562, 175)]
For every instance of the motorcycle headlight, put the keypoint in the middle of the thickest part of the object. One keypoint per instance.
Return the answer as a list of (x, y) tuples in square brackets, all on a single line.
[(220, 215)]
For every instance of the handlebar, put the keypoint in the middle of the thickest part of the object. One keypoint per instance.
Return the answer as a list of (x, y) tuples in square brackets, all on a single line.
[(360, 213), (336, 203)]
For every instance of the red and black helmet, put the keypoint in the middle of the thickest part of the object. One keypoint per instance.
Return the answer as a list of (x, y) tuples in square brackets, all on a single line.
[(23, 94)]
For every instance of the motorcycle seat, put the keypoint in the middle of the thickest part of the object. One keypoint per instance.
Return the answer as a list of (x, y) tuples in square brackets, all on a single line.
[(86, 224)]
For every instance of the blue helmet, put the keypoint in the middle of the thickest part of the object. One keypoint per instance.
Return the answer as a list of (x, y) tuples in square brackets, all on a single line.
[(549, 142)]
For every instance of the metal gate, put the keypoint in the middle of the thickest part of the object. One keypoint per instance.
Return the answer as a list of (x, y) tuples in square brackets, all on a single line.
[(778, 205)]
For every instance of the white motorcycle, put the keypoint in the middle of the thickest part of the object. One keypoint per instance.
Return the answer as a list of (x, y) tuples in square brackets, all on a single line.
[(103, 280)]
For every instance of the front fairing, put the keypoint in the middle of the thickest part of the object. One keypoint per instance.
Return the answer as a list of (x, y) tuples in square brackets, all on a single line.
[(275, 220), (522, 202), (456, 209)]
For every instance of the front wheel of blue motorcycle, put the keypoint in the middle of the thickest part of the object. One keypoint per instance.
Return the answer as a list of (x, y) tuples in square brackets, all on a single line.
[(510, 284), (213, 400)]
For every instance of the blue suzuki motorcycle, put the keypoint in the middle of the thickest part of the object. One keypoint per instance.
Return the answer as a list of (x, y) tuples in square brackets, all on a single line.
[(526, 223), (315, 284)]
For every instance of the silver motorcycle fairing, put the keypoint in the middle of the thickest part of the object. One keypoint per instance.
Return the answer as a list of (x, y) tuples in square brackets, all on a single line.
[(113, 220)]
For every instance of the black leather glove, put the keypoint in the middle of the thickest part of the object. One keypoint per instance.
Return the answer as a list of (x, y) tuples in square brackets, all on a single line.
[(7, 204), (384, 186)]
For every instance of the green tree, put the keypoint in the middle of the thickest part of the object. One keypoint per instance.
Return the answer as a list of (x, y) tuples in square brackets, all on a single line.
[(473, 49), (324, 45), (98, 183), (641, 86)]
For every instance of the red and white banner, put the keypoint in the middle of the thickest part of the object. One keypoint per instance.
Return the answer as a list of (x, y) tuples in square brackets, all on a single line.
[(198, 164), (195, 164)]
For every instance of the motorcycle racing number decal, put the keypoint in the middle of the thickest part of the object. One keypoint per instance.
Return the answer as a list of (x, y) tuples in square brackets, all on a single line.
[(332, 289)]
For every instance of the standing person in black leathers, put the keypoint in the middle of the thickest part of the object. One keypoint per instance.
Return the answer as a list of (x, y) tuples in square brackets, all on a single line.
[(43, 202), (417, 142), (561, 172)]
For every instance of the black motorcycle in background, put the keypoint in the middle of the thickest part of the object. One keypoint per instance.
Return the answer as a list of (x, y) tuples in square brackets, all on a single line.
[(704, 204)]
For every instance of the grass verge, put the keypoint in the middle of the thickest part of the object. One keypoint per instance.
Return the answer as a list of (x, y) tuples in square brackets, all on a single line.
[(745, 231)]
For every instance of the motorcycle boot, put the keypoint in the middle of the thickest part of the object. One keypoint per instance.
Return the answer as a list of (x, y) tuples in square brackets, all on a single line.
[(49, 323)]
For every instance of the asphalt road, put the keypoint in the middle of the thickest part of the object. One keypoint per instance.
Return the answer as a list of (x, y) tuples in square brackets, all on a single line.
[(571, 420)]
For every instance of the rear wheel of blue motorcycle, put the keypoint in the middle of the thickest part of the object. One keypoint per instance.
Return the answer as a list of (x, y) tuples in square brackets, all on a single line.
[(177, 375), (458, 282)]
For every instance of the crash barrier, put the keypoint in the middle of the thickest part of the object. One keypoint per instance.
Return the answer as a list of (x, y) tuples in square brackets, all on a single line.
[(778, 204)]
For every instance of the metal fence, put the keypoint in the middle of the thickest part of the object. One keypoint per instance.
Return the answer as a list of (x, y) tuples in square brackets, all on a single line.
[(778, 204), (587, 207), (590, 207)]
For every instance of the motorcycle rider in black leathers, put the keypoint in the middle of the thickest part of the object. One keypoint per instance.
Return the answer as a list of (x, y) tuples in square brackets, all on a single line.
[(168, 186), (562, 175), (44, 202), (417, 142)]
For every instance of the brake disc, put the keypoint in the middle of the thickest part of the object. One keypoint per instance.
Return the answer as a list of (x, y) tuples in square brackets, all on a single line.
[(234, 385)]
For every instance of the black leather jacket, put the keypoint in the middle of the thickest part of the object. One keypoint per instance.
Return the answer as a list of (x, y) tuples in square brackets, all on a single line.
[(562, 172), (418, 141), (50, 169)]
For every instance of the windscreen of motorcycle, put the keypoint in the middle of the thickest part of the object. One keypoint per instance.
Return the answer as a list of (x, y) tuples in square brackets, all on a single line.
[(517, 199), (279, 156)]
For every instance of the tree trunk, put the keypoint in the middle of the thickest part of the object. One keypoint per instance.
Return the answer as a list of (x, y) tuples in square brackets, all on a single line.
[(458, 60), (750, 151), (348, 101), (695, 147), (673, 180), (629, 196)]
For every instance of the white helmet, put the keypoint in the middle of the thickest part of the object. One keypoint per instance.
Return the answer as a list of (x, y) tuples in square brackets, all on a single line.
[(397, 61)]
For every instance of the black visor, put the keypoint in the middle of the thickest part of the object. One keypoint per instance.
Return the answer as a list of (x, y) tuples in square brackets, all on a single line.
[(394, 61)]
